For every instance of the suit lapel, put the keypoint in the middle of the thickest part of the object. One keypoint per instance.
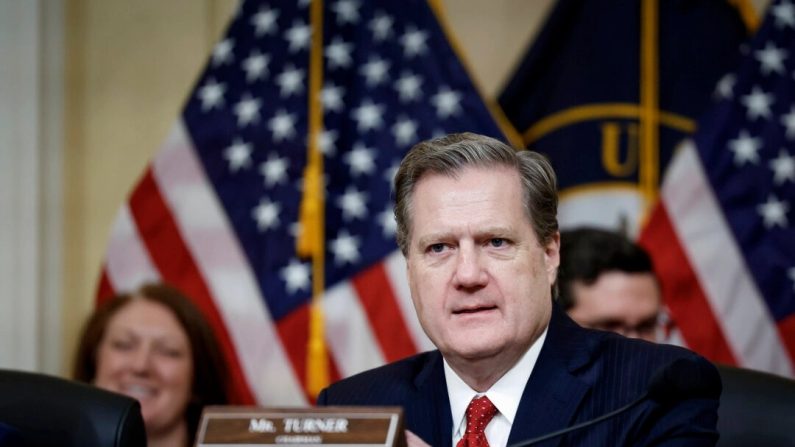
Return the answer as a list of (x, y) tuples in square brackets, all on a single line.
[(554, 391), (428, 411)]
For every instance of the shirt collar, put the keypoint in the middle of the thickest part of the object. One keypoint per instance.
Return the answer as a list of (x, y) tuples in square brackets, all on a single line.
[(505, 394)]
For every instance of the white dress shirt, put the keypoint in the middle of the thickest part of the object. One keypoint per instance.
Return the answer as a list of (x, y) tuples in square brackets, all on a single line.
[(505, 394)]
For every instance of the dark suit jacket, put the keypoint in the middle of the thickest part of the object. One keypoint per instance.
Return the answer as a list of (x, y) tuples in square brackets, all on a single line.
[(580, 374)]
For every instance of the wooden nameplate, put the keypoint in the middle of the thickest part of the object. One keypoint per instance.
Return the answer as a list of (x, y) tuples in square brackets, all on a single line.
[(224, 426)]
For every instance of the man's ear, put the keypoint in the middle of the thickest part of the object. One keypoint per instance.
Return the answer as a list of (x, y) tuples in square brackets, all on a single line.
[(552, 256)]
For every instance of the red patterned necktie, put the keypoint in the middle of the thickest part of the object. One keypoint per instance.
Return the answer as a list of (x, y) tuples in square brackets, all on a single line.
[(479, 414)]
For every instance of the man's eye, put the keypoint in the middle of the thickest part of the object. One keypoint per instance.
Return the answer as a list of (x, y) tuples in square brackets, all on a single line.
[(497, 242), (437, 248)]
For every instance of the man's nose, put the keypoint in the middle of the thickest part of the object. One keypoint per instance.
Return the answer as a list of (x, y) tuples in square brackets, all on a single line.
[(470, 271)]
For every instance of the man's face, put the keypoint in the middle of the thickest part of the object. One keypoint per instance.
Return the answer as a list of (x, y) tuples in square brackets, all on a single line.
[(479, 278), (627, 303)]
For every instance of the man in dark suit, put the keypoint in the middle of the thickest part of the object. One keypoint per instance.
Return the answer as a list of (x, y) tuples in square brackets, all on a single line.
[(478, 227)]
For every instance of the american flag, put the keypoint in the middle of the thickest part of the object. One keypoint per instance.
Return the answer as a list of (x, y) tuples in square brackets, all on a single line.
[(216, 211), (723, 235)]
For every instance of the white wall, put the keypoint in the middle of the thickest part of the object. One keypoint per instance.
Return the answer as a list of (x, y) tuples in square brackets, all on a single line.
[(30, 172)]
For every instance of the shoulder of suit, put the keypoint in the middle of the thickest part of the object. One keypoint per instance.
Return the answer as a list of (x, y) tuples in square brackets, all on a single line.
[(634, 350), (393, 379)]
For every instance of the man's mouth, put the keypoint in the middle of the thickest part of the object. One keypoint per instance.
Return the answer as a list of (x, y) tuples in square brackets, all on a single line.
[(473, 310)]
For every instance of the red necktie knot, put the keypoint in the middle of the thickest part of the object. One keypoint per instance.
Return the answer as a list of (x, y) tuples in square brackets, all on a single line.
[(479, 413)]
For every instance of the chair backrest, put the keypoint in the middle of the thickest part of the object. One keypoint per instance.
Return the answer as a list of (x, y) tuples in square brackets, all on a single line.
[(756, 409), (49, 411)]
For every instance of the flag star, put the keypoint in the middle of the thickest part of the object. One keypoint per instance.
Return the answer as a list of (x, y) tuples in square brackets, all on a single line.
[(353, 204), (788, 121), (256, 66), (375, 71), (282, 126), (745, 148), (211, 94), (328, 142), (347, 11), (368, 116), (408, 86), (267, 214), (361, 160), (290, 81), (758, 103), (413, 41), (296, 276), (247, 110), (784, 14), (774, 212), (783, 167), (771, 59), (222, 53), (387, 221), (791, 274), (447, 102), (345, 248), (264, 21), (725, 88), (274, 170), (238, 155), (405, 131), (381, 26), (298, 36), (339, 53), (331, 96)]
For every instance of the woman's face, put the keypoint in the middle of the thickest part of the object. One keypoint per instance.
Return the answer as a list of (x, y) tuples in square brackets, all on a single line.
[(145, 354)]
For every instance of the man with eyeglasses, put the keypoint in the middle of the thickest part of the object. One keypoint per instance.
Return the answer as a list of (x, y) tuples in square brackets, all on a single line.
[(607, 282)]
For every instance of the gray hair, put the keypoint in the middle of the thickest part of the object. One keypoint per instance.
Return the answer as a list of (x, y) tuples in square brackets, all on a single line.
[(450, 154)]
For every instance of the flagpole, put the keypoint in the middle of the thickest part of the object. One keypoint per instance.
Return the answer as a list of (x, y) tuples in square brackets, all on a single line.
[(312, 239), (649, 104)]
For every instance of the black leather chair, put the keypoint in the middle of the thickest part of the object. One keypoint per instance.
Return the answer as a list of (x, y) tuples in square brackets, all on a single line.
[(49, 411), (756, 409)]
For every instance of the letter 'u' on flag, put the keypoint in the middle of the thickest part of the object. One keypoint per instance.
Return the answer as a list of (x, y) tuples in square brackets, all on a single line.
[(608, 89), (216, 213), (723, 234)]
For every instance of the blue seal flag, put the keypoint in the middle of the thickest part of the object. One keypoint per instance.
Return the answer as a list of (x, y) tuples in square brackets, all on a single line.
[(608, 89)]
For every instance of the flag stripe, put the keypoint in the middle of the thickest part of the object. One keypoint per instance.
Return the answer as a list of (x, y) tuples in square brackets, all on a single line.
[(682, 292), (379, 303), (220, 261), (105, 290), (395, 266), (704, 235), (350, 337), (128, 263), (173, 259), (787, 329)]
